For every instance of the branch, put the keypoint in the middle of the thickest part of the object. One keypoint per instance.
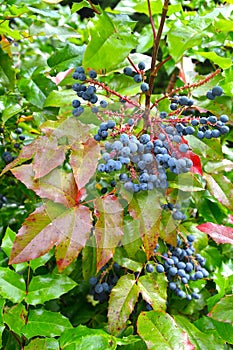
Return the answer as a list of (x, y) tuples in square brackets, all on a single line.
[(151, 20), (155, 52)]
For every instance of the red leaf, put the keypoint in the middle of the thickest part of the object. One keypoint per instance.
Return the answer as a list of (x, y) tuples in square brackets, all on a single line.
[(197, 167), (60, 76), (187, 344), (219, 233), (108, 229), (83, 160), (54, 225)]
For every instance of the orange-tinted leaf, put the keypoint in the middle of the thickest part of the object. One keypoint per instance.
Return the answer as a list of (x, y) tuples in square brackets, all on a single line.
[(219, 233), (83, 160), (108, 229), (146, 208), (75, 225), (28, 244), (49, 155), (58, 185), (52, 225)]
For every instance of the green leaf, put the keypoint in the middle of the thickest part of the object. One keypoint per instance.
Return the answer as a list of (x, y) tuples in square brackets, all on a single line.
[(222, 311), (221, 188), (182, 37), (85, 338), (121, 258), (200, 340), (153, 288), (11, 111), (122, 301), (225, 330), (188, 182), (108, 229), (45, 323), (67, 57), (2, 302), (8, 240), (79, 6), (47, 287), (60, 98), (12, 285), (160, 331), (89, 259), (15, 318), (7, 73), (114, 39), (222, 62), (131, 7), (43, 344)]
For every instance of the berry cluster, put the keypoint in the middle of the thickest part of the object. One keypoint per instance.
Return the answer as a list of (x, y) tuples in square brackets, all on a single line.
[(181, 265), (7, 143), (180, 101), (216, 91), (138, 75), (86, 93), (102, 284)]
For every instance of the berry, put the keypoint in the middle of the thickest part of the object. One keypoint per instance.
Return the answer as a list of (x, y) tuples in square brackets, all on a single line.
[(99, 288), (128, 71), (224, 118), (95, 109), (78, 111), (209, 95), (144, 87), (7, 157), (217, 91), (76, 103), (149, 268), (137, 78), (163, 115), (92, 74), (103, 104), (173, 106), (130, 122), (183, 147), (111, 124), (141, 65), (159, 268), (18, 131)]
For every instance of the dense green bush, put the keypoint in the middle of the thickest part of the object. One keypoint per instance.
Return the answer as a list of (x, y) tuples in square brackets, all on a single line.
[(83, 252)]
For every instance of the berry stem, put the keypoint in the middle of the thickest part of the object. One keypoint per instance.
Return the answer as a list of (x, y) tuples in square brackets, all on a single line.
[(133, 65), (187, 87), (113, 92)]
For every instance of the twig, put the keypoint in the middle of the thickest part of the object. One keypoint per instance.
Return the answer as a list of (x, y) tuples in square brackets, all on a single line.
[(93, 7), (133, 65), (151, 20), (155, 52)]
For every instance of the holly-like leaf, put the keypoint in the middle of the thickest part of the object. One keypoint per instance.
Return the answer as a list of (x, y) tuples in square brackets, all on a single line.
[(222, 311), (85, 338), (122, 301), (47, 287), (147, 210), (219, 233), (114, 38), (43, 343), (45, 323), (108, 229), (12, 285), (221, 188), (48, 156), (200, 340), (15, 318), (153, 288), (54, 225), (83, 160), (166, 335), (7, 73), (58, 185)]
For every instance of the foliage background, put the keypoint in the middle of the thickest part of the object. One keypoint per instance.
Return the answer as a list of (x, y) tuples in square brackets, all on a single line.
[(41, 39)]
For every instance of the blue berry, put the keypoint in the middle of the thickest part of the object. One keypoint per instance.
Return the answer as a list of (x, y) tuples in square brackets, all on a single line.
[(92, 74), (195, 122), (130, 122), (173, 106), (144, 87), (183, 147), (99, 288), (111, 124), (163, 115), (159, 268), (172, 285), (137, 78), (141, 65), (78, 111), (76, 103), (224, 118), (128, 71), (103, 104), (210, 95), (217, 91), (95, 109), (224, 129), (149, 268)]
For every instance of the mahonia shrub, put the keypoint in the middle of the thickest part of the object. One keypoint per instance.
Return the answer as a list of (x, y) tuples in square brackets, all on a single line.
[(132, 187)]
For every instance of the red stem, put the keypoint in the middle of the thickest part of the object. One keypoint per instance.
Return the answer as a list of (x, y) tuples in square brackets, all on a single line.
[(151, 20)]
